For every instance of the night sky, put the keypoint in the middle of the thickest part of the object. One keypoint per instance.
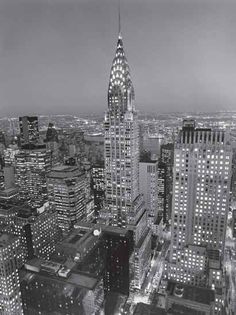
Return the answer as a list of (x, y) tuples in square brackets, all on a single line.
[(55, 55)]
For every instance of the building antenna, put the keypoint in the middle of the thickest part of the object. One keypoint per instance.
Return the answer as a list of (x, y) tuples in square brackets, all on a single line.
[(119, 18)]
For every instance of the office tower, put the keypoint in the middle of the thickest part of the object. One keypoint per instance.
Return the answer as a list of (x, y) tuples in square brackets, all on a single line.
[(148, 184), (89, 198), (52, 134), (202, 172), (37, 229), (66, 192), (29, 130), (9, 155), (121, 143), (124, 205), (72, 279), (10, 296), (31, 168), (71, 145), (167, 158), (52, 142), (152, 143), (98, 187), (165, 181), (94, 148), (161, 184), (119, 246)]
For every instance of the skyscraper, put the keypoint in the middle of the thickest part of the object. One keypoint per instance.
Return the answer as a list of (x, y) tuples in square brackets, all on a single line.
[(31, 168), (10, 296), (121, 143), (66, 192), (148, 183), (202, 166), (52, 142), (29, 130), (124, 204), (165, 181)]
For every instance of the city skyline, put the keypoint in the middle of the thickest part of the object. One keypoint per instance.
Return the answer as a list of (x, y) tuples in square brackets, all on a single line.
[(56, 54), (125, 214)]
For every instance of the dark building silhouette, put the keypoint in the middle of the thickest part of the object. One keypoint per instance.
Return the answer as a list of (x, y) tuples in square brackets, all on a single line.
[(29, 130), (165, 181), (98, 187), (118, 245), (52, 134)]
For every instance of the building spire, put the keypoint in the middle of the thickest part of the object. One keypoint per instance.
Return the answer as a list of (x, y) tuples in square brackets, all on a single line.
[(119, 19)]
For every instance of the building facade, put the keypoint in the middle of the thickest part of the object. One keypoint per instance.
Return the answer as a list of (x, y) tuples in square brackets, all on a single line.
[(202, 166), (31, 168), (10, 295), (148, 183), (124, 205), (121, 143), (66, 192), (29, 130)]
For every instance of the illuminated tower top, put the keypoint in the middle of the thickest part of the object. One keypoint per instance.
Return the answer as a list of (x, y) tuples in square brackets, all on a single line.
[(120, 91)]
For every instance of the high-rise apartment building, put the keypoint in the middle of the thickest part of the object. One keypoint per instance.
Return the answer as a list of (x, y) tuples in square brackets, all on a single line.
[(29, 130), (202, 173), (66, 192), (31, 168), (10, 295)]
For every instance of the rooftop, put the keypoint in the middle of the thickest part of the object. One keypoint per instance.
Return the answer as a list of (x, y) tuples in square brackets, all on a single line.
[(146, 309), (65, 171), (192, 293), (50, 271)]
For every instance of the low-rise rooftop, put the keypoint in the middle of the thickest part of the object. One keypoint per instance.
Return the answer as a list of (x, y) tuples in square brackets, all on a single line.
[(191, 293)]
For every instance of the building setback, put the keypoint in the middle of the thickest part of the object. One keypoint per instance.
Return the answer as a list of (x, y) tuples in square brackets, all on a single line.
[(124, 205)]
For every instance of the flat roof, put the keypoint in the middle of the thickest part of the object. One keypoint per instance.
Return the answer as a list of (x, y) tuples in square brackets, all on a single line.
[(65, 171), (193, 293), (146, 309), (76, 278)]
